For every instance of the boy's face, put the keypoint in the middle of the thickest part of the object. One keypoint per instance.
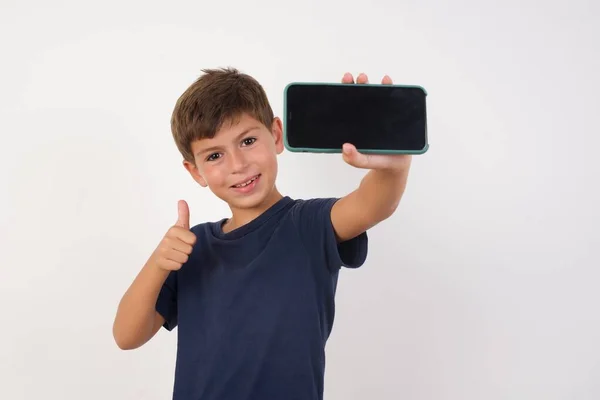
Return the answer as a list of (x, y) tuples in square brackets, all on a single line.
[(239, 164)]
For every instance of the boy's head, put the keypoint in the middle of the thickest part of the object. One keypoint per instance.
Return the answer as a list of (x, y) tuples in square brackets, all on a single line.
[(225, 129)]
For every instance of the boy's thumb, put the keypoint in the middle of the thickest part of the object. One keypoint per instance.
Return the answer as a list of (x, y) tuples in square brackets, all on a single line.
[(183, 219)]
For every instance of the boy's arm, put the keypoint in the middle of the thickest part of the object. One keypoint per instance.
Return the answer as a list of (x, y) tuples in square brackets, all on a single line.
[(375, 200), (378, 194), (137, 320)]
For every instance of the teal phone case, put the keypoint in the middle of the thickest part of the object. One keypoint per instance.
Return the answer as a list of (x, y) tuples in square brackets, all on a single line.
[(365, 151)]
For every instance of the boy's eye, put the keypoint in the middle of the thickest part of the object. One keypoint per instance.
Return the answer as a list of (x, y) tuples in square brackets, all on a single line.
[(213, 157), (249, 141)]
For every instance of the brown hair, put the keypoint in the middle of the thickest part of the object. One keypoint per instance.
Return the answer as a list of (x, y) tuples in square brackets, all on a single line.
[(219, 96)]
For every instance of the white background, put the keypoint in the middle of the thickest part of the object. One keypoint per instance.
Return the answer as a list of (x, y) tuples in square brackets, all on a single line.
[(484, 284)]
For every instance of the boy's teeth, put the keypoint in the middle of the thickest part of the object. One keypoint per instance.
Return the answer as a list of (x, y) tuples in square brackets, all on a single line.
[(245, 183)]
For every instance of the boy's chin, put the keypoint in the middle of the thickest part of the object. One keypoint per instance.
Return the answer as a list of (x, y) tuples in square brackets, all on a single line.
[(254, 200), (246, 203)]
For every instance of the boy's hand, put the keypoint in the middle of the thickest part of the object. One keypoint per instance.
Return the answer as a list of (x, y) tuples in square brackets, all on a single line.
[(379, 192), (174, 249), (395, 162)]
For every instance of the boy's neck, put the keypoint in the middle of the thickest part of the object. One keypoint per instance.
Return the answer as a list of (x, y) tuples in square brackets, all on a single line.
[(241, 217)]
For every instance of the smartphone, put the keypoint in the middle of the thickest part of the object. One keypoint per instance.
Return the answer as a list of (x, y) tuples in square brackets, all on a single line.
[(376, 118)]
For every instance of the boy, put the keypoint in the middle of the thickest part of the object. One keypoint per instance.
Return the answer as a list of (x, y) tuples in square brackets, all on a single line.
[(252, 295)]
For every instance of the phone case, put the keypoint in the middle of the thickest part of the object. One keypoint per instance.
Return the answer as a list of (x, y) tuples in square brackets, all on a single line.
[(365, 151)]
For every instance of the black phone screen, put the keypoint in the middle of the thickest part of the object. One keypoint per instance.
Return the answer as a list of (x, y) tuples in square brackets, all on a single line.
[(371, 117)]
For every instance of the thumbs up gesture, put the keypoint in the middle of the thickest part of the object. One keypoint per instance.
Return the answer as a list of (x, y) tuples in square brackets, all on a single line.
[(174, 249)]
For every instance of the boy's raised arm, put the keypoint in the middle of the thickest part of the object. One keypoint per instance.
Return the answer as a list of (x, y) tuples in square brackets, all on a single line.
[(379, 192), (375, 200)]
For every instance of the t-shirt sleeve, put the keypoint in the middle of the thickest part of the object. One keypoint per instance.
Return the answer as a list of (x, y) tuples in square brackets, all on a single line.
[(313, 219), (166, 304)]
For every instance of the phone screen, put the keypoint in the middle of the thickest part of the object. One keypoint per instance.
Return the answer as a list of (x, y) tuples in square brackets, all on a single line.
[(371, 117)]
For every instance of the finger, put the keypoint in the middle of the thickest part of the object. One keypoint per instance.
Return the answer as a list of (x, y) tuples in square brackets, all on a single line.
[(183, 219), (368, 161), (177, 256), (190, 238), (184, 235), (348, 78), (179, 245), (354, 158), (386, 80), (362, 78), (170, 264)]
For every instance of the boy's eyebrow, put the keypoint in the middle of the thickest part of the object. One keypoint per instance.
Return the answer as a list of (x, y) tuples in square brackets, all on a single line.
[(213, 148)]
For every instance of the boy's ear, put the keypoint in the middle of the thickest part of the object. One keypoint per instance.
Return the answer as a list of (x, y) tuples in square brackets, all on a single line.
[(277, 131), (193, 170)]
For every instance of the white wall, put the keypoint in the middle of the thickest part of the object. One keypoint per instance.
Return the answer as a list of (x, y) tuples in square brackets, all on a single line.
[(484, 285)]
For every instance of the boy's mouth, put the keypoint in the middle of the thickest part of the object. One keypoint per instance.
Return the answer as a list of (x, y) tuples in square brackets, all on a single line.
[(245, 183)]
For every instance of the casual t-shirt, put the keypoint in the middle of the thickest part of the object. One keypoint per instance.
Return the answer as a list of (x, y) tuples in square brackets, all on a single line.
[(255, 306)]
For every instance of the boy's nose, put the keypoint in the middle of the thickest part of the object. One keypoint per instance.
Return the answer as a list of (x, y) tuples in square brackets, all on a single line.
[(237, 160)]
